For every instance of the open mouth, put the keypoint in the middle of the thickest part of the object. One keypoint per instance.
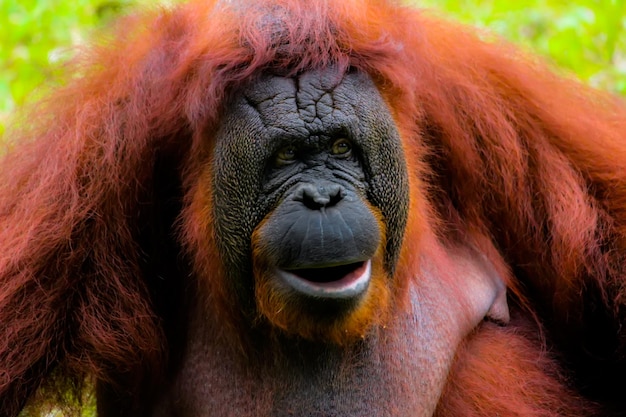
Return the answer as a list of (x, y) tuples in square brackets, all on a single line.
[(342, 281)]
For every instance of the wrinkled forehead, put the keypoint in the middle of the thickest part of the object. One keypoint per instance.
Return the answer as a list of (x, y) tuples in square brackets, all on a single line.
[(318, 101)]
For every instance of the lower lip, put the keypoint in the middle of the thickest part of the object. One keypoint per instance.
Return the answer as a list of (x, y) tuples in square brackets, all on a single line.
[(351, 285)]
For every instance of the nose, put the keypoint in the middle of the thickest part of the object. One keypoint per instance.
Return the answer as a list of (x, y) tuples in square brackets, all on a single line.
[(319, 196)]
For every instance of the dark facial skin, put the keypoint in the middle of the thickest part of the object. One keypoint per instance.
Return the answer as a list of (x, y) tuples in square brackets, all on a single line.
[(282, 176), (313, 158)]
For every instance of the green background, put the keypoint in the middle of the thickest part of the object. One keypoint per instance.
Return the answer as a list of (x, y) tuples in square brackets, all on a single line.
[(586, 36)]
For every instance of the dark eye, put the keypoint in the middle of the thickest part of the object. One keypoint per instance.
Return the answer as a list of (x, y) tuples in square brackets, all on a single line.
[(286, 155), (341, 147)]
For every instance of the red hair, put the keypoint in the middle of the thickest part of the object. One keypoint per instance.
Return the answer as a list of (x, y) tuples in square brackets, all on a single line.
[(526, 163)]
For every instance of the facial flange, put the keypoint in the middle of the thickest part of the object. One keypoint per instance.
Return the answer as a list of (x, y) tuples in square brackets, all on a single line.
[(310, 186)]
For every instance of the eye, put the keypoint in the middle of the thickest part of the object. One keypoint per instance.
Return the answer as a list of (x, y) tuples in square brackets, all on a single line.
[(285, 155), (341, 147)]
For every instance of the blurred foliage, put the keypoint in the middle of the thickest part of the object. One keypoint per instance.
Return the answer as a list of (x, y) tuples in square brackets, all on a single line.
[(586, 36), (38, 35)]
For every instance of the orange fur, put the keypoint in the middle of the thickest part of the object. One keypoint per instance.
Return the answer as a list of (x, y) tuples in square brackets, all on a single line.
[(523, 164), (501, 372), (284, 313)]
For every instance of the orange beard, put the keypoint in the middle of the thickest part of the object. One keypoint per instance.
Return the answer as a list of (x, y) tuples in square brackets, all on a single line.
[(286, 312)]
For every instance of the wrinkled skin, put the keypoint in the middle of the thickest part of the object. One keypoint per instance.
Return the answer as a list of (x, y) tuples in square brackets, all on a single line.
[(277, 178), (315, 208)]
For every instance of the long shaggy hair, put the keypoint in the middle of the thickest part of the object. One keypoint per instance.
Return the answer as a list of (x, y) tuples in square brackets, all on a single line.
[(528, 163)]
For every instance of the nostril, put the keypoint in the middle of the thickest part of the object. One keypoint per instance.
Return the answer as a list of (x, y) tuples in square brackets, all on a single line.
[(312, 203), (336, 196), (320, 196)]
